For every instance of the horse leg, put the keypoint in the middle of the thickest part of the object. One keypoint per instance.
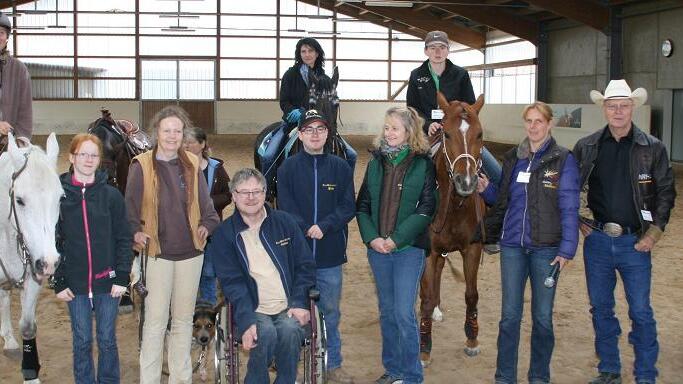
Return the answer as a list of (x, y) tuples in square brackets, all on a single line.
[(6, 330), (427, 305), (30, 363), (471, 257), (437, 315)]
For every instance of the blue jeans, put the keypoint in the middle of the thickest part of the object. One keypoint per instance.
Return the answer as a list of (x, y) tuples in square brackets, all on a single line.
[(279, 337), (397, 277), (207, 281), (105, 309), (329, 282), (603, 257), (491, 166), (516, 266)]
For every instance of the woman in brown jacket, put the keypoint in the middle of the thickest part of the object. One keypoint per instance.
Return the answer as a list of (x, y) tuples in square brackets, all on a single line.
[(171, 213)]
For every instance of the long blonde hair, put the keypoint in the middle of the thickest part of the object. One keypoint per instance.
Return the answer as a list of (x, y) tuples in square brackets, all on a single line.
[(412, 122)]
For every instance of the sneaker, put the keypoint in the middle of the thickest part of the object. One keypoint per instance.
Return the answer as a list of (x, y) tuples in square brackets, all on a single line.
[(607, 378), (492, 249), (388, 379), (645, 381), (338, 375)]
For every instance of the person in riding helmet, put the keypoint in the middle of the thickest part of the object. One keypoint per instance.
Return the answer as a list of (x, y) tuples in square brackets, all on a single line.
[(16, 110)]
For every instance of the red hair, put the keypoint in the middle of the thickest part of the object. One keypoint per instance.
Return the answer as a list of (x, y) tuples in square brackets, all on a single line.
[(81, 138)]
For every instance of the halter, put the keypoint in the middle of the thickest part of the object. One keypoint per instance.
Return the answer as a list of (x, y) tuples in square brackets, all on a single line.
[(471, 160), (450, 165), (22, 248)]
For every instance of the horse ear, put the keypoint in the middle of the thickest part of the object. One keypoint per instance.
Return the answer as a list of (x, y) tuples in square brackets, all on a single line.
[(441, 101), (13, 150), (52, 149), (479, 103), (335, 77)]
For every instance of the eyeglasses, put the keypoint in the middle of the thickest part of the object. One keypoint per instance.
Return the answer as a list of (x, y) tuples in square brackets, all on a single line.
[(310, 130), (250, 194), (618, 107), (83, 155)]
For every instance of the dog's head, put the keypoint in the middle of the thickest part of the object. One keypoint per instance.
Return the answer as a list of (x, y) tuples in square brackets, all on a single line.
[(204, 323)]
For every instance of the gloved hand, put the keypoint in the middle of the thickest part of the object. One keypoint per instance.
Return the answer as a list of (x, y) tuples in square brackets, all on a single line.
[(294, 116)]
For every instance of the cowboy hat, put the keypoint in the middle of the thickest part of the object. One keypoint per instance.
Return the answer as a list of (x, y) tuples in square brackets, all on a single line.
[(619, 89)]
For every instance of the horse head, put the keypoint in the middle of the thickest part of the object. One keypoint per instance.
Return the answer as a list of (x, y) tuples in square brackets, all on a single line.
[(322, 96), (35, 192), (462, 142)]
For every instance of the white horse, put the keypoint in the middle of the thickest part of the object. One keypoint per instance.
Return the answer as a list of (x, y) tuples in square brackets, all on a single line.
[(30, 192)]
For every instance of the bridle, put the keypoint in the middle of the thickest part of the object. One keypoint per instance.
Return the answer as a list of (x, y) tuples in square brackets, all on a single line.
[(22, 248), (450, 166), (471, 160)]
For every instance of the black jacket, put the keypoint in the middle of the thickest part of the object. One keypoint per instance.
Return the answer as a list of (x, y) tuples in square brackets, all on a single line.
[(454, 83), (110, 237), (294, 91), (654, 189)]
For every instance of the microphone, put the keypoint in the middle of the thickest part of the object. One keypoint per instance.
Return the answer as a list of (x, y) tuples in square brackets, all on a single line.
[(551, 280)]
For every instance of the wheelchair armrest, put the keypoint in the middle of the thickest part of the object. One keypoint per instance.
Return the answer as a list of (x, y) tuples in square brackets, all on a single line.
[(314, 294)]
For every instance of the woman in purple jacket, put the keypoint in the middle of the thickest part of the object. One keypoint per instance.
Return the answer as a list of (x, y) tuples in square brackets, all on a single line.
[(535, 216)]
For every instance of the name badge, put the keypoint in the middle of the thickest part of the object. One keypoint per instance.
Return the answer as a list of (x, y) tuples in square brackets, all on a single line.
[(647, 215), (437, 114), (523, 177)]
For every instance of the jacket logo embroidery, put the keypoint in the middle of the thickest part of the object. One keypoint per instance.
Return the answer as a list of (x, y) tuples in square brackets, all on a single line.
[(283, 242), (423, 79), (330, 187), (644, 178), (551, 178)]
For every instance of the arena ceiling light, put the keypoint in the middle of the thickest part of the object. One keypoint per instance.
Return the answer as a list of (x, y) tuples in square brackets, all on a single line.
[(396, 4)]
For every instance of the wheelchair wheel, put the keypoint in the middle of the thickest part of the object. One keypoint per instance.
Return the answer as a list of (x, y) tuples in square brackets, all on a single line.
[(226, 362), (315, 351)]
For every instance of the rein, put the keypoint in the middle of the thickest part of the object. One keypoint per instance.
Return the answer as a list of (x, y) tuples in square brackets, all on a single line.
[(22, 248)]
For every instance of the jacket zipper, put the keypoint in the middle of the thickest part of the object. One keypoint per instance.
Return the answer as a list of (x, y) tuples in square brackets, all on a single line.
[(526, 201), (315, 198), (87, 243)]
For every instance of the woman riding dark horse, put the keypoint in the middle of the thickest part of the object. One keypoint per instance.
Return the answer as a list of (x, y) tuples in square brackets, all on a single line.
[(304, 86)]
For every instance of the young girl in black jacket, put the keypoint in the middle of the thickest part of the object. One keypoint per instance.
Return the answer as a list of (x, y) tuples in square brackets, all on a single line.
[(95, 243)]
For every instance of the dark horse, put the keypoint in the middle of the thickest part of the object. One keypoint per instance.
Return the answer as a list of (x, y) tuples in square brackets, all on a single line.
[(121, 140), (323, 98), (460, 211)]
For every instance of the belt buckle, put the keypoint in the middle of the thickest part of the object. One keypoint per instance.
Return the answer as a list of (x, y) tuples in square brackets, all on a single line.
[(612, 229)]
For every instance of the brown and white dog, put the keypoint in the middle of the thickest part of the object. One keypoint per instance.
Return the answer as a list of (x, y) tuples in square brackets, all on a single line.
[(204, 331)]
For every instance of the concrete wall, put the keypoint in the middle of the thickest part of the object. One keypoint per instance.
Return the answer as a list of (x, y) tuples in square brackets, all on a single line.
[(579, 59), (502, 122)]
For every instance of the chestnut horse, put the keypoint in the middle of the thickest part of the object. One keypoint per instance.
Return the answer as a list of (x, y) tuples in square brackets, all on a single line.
[(460, 211)]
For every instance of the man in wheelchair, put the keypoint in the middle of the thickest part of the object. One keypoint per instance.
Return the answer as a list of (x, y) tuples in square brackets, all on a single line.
[(265, 269)]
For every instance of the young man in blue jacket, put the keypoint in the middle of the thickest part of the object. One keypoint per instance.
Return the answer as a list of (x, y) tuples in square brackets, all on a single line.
[(265, 269), (317, 189)]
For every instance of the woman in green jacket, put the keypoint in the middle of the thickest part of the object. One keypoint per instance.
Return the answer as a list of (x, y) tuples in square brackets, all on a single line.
[(395, 205)]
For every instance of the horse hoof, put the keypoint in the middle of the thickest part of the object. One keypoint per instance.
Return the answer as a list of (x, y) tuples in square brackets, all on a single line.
[(437, 315), (124, 309), (13, 353), (34, 381), (425, 359), (471, 352)]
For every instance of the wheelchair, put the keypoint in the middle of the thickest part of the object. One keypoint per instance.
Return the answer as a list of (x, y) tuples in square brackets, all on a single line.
[(314, 348)]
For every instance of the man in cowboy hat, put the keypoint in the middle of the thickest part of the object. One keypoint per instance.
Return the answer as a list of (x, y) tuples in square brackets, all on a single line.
[(631, 192), (317, 190), (16, 111)]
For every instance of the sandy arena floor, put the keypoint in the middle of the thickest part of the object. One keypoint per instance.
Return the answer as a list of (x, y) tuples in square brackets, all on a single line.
[(573, 361)]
